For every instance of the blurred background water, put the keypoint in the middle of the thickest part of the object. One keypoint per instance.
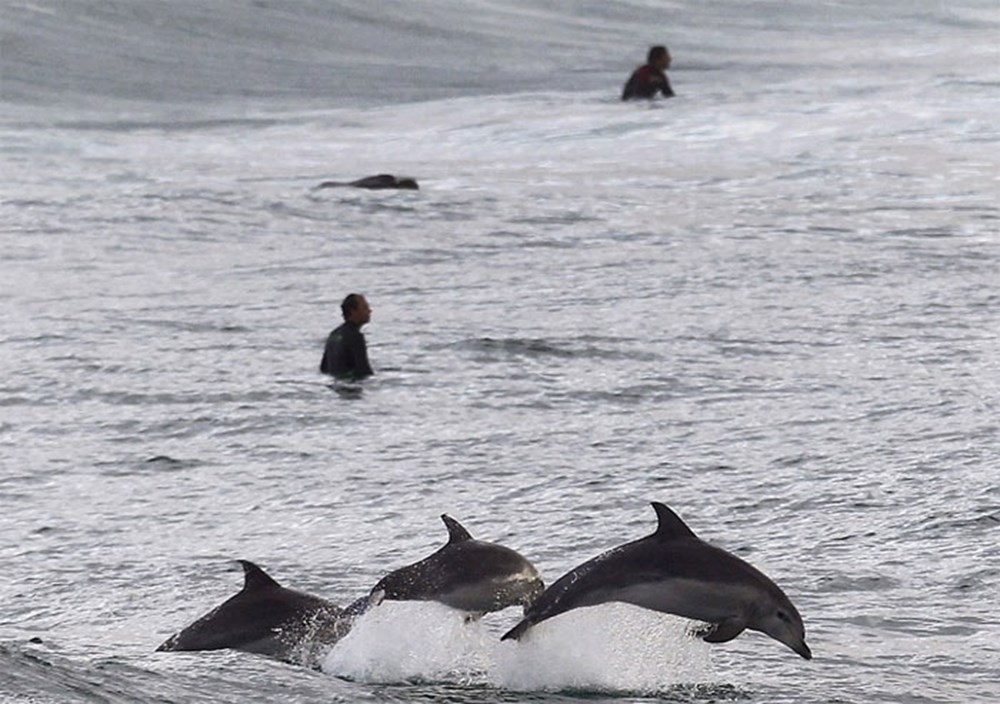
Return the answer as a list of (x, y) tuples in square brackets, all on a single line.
[(770, 303)]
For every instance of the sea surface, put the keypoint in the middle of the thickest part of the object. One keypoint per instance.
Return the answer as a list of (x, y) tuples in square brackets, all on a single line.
[(772, 303)]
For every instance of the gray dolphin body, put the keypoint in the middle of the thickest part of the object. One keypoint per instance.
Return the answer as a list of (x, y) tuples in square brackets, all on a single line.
[(267, 619), (375, 183), (466, 574), (675, 572)]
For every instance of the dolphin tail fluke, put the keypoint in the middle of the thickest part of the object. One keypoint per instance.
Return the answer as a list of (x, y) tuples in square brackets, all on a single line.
[(517, 631), (166, 645), (365, 604)]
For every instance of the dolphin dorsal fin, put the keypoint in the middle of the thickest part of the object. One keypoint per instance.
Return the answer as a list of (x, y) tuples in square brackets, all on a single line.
[(456, 532), (671, 525), (255, 578)]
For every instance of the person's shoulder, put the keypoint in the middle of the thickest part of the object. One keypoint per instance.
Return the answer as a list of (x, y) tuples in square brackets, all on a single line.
[(351, 329), (340, 331)]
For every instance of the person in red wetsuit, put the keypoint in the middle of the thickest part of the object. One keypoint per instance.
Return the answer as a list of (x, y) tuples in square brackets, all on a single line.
[(650, 79)]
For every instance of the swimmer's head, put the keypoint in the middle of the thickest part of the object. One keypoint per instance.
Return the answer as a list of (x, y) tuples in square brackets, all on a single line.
[(355, 309), (659, 56)]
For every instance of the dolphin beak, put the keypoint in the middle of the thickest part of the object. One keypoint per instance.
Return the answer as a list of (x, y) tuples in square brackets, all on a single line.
[(803, 650)]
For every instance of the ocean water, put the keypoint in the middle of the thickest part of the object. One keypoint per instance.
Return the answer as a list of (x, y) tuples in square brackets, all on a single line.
[(772, 303)]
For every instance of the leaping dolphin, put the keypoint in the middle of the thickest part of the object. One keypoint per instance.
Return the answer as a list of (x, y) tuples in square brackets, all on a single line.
[(675, 572), (466, 574), (267, 619)]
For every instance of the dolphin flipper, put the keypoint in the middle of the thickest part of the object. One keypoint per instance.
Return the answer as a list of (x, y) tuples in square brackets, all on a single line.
[(723, 631)]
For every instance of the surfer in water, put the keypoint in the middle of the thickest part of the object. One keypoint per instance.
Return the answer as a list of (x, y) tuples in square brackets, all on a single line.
[(650, 78), (346, 353), (375, 183)]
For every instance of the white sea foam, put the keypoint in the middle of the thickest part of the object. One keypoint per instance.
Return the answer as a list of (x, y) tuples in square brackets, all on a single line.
[(407, 641), (614, 647)]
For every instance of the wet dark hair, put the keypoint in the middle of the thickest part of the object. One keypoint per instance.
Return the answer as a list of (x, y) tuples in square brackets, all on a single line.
[(655, 52), (350, 304)]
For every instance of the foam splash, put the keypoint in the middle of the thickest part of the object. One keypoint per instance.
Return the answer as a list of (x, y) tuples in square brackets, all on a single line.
[(613, 647), (412, 641)]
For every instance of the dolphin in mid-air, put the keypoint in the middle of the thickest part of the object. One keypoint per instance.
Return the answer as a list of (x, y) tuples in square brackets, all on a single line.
[(675, 572), (267, 619), (466, 574)]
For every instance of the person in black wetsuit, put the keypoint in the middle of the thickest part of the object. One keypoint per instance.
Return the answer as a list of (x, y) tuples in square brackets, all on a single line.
[(346, 353), (650, 79), (375, 183)]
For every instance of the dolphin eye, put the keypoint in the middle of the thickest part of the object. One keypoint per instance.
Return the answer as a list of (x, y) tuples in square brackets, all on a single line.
[(784, 617)]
